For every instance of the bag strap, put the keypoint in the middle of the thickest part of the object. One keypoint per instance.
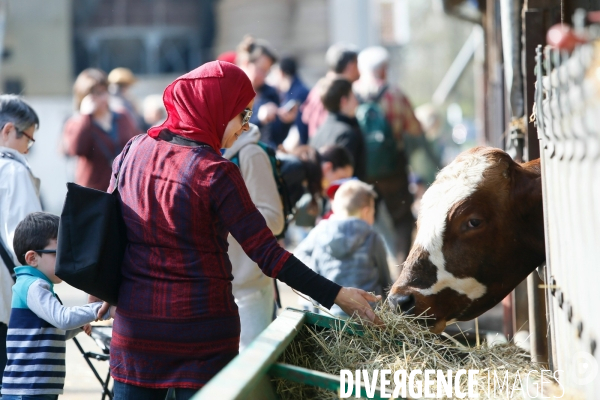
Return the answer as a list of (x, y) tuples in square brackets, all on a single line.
[(373, 99), (104, 150), (379, 95), (9, 156), (125, 151), (163, 135), (113, 135), (236, 157), (8, 260)]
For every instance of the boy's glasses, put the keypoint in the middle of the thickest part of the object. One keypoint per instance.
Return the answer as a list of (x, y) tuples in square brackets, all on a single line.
[(43, 252), (246, 115)]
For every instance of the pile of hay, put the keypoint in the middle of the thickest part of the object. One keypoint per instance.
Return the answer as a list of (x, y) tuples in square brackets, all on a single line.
[(403, 344)]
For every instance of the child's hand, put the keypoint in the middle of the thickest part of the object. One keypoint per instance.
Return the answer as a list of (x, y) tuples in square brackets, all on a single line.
[(87, 328), (102, 311), (113, 311)]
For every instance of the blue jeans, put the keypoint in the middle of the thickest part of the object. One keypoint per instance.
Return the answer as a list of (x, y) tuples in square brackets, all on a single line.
[(29, 397), (123, 391)]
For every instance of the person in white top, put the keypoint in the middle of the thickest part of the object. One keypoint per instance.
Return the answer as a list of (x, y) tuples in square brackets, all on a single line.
[(19, 193), (254, 291)]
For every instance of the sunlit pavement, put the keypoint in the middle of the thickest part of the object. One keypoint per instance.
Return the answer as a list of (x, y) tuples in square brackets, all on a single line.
[(80, 383)]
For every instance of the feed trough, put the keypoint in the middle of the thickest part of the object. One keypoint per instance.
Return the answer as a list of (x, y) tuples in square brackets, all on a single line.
[(248, 376), (302, 355)]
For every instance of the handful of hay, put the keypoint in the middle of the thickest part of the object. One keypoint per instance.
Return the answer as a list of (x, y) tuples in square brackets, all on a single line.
[(404, 344)]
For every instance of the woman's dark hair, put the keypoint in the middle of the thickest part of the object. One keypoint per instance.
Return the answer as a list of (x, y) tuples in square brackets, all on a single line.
[(338, 156), (34, 233), (251, 49), (288, 66), (333, 91), (339, 55), (311, 159)]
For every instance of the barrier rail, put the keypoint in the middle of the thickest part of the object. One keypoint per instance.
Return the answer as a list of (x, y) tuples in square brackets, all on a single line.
[(568, 122)]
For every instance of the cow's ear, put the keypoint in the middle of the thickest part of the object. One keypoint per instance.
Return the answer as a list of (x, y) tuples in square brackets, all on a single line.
[(526, 187)]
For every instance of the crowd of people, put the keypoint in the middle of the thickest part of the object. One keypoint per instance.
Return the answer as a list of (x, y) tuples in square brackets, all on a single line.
[(235, 151)]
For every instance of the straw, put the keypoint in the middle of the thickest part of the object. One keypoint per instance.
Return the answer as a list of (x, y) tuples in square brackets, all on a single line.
[(404, 344)]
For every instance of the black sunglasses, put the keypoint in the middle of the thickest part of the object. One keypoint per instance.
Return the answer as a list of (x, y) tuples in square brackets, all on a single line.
[(43, 252)]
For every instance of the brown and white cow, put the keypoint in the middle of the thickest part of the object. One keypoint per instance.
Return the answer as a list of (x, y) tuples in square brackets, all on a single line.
[(480, 233)]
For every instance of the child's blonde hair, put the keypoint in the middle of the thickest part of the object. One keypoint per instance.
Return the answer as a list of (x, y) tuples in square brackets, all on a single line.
[(351, 197)]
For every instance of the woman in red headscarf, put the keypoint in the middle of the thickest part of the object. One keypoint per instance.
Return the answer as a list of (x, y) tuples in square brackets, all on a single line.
[(177, 323)]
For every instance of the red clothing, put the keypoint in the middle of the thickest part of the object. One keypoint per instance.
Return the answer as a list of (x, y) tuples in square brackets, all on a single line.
[(201, 103), (314, 113), (95, 148), (177, 322)]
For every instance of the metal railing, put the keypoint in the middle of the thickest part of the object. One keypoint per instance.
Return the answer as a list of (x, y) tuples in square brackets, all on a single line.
[(568, 121)]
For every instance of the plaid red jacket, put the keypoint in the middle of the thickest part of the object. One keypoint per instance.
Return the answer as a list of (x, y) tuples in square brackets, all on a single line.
[(177, 323)]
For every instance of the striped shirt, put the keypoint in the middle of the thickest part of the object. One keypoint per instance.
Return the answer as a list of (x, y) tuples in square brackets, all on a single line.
[(38, 328)]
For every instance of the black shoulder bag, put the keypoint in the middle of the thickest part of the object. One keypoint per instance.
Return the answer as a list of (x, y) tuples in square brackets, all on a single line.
[(92, 239)]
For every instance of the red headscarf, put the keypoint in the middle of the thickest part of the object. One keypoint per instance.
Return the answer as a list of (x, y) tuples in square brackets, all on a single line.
[(201, 103), (228, 56)]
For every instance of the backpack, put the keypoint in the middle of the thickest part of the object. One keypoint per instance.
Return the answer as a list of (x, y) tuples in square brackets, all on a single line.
[(282, 187), (380, 145)]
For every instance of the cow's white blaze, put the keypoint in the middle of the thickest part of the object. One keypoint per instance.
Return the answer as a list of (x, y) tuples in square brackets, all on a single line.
[(454, 183)]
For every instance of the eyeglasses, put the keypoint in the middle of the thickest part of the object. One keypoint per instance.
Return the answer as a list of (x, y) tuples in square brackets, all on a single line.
[(31, 140), (40, 252), (246, 115)]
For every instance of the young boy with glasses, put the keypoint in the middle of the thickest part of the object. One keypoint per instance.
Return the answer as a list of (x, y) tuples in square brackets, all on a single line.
[(39, 323)]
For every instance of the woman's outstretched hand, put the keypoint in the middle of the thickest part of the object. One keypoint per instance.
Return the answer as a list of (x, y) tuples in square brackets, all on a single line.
[(353, 300)]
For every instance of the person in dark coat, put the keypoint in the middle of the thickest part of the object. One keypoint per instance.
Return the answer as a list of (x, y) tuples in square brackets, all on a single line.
[(293, 93), (341, 126), (177, 324), (256, 57), (341, 59)]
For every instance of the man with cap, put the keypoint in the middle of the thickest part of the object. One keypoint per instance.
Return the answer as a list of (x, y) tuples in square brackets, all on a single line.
[(119, 81)]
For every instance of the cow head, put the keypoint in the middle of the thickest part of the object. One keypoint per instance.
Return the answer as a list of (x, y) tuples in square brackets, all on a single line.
[(479, 233)]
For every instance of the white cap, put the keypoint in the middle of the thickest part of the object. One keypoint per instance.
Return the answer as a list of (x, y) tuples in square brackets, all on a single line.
[(372, 58)]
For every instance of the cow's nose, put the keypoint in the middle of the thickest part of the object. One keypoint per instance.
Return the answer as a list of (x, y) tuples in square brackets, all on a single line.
[(406, 303)]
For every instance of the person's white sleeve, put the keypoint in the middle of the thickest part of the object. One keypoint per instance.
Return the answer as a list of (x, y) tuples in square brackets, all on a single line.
[(45, 305), (19, 198), (257, 172)]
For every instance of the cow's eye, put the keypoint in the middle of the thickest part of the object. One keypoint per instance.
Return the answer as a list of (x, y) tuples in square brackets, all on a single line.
[(473, 223)]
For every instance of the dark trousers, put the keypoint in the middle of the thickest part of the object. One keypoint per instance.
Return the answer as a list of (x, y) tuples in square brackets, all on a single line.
[(393, 192), (124, 391), (3, 332)]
